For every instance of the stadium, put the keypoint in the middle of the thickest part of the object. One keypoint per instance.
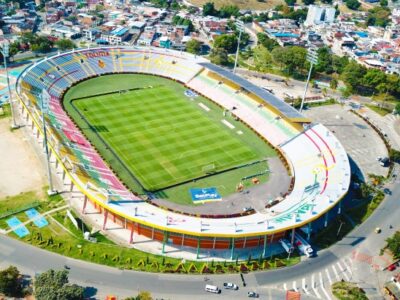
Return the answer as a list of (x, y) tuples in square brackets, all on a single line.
[(126, 126)]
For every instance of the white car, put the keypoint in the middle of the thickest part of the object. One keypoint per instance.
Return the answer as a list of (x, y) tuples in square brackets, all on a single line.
[(230, 286)]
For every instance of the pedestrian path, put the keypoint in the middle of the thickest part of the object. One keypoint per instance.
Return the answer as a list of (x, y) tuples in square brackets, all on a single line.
[(318, 284)]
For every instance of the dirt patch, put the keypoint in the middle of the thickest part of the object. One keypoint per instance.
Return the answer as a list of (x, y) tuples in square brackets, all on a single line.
[(20, 168)]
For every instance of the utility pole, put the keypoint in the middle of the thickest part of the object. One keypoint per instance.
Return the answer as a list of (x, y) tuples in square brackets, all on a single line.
[(312, 58), (44, 108), (5, 51), (239, 25)]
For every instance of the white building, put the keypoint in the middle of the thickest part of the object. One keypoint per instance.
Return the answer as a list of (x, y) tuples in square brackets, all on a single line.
[(320, 14)]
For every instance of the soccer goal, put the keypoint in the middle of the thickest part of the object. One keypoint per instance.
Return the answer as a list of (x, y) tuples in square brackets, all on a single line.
[(209, 169)]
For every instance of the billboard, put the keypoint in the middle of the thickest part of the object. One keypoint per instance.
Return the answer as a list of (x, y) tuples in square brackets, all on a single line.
[(201, 195)]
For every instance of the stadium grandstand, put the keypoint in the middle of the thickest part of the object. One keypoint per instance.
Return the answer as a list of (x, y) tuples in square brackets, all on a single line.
[(314, 157)]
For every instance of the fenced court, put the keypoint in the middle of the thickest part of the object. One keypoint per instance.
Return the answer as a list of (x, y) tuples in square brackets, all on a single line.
[(16, 225)]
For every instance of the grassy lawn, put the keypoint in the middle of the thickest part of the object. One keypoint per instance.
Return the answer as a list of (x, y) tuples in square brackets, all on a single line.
[(6, 111), (382, 111), (348, 291), (56, 239), (162, 138), (16, 206)]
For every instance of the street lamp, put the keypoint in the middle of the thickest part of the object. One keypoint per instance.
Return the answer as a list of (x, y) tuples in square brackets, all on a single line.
[(5, 51), (239, 25), (44, 108), (312, 58)]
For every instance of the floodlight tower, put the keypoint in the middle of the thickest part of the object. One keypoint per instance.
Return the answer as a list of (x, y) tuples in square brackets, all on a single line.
[(5, 51), (44, 108), (312, 58), (239, 25)]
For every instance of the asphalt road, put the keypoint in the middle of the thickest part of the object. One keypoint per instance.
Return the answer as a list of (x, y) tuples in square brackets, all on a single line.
[(103, 280)]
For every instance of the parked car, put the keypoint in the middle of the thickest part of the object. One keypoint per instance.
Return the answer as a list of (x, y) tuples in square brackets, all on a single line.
[(252, 294), (230, 286), (378, 230), (392, 267)]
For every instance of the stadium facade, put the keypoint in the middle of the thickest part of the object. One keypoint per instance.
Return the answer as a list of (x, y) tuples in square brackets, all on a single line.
[(314, 158)]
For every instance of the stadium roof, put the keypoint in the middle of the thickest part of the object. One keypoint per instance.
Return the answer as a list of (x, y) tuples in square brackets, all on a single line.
[(287, 110)]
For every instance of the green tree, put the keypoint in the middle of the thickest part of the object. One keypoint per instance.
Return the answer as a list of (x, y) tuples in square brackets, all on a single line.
[(378, 16), (339, 63), (177, 20), (292, 59), (227, 11), (308, 2), (290, 2), (373, 78), (144, 295), (10, 284), (393, 244), (324, 63), (397, 109), (383, 3), (394, 154), (262, 58), (53, 285), (263, 39), (353, 4), (42, 44), (227, 42), (353, 75), (219, 56), (193, 46), (65, 44), (209, 9), (333, 84)]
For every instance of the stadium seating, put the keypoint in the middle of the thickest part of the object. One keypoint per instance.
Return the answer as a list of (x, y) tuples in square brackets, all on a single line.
[(316, 158)]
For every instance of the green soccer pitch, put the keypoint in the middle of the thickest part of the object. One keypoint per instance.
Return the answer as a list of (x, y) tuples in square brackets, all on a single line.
[(155, 138)]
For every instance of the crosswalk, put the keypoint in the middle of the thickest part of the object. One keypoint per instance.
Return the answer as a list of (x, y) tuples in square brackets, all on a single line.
[(318, 284)]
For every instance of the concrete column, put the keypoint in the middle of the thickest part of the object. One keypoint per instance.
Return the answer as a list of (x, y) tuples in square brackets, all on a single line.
[(164, 242), (152, 233), (198, 248), (244, 243), (131, 236), (265, 246), (71, 187), (105, 219), (232, 247), (84, 204), (214, 240), (326, 219), (183, 240), (292, 240), (309, 231), (340, 208)]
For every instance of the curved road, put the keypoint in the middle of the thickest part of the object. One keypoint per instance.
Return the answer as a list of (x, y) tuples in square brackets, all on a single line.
[(105, 280)]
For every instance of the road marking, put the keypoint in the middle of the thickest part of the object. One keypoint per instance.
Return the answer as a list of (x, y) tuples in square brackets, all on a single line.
[(313, 287), (304, 286), (347, 267), (326, 294), (321, 282), (329, 276), (336, 273), (343, 272), (284, 286)]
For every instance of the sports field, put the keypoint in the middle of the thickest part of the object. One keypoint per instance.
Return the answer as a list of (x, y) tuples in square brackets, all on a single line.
[(161, 137)]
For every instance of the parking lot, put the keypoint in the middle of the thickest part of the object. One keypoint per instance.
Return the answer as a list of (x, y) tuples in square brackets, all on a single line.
[(361, 142)]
